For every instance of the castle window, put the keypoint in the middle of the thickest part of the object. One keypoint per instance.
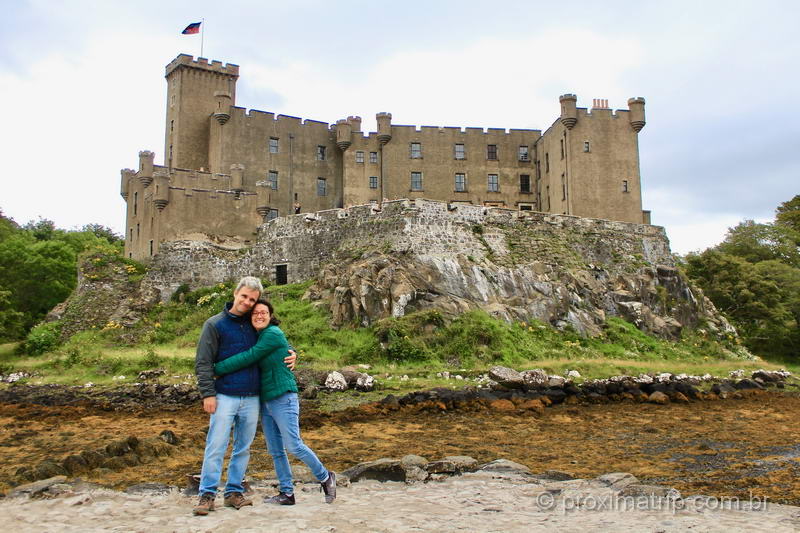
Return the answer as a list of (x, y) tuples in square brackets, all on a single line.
[(416, 150), (272, 178), (586, 146), (493, 185), (373, 157), (131, 234), (625, 186), (137, 230), (563, 187), (524, 154), (273, 145), (322, 187), (172, 101), (373, 182), (562, 148), (547, 162), (524, 183), (151, 247), (135, 203), (491, 152), (359, 156), (272, 214), (461, 182), (320, 153), (460, 154), (171, 126), (526, 207), (416, 181)]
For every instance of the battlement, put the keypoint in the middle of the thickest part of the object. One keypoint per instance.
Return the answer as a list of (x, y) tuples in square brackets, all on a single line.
[(258, 116), (202, 63), (469, 131)]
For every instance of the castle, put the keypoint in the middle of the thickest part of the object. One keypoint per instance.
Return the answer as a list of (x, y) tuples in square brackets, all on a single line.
[(226, 171)]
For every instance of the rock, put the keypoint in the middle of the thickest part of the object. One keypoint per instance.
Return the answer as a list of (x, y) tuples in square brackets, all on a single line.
[(169, 437), (736, 373), (556, 381), (533, 405), (75, 464), (556, 475), (617, 480), (390, 402), (505, 466), (146, 375), (723, 389), (309, 392), (507, 377), (415, 467), (380, 470), (94, 458), (650, 491), (555, 395), (679, 398), (336, 381), (658, 397), (535, 379), (455, 464), (746, 384), (365, 383), (37, 487), (572, 374), (48, 469), (149, 488), (118, 448)]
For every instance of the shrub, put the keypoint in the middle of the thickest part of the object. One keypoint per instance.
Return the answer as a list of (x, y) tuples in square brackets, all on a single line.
[(42, 338)]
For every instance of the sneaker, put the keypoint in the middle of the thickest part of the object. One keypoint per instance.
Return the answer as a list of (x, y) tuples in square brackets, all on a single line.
[(205, 504), (236, 500), (329, 487), (280, 499)]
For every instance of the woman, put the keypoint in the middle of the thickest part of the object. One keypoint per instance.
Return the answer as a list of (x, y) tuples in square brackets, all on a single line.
[(280, 407)]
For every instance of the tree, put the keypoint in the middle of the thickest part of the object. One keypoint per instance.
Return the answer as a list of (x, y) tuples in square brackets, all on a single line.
[(788, 216), (756, 242)]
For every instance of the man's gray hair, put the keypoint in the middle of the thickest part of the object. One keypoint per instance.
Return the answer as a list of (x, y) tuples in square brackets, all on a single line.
[(251, 283)]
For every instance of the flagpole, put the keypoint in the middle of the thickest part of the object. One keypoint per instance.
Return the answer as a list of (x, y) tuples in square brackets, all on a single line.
[(202, 31)]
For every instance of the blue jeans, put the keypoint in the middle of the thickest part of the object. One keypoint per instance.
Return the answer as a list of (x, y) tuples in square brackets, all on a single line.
[(240, 413), (280, 420)]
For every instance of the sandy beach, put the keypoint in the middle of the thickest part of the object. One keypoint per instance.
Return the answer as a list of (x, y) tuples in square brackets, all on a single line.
[(479, 501)]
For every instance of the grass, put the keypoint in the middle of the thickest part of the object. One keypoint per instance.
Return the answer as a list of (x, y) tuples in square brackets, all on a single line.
[(419, 345)]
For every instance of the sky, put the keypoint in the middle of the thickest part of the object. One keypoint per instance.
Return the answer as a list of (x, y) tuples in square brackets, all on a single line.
[(82, 87)]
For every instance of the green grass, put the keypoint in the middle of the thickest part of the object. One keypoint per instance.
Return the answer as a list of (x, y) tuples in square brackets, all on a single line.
[(419, 345)]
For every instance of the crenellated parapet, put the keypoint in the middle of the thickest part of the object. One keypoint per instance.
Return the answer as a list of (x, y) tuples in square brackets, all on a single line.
[(343, 134), (569, 115), (384, 127), (201, 63)]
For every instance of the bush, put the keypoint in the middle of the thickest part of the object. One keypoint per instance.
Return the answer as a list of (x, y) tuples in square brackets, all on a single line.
[(42, 338)]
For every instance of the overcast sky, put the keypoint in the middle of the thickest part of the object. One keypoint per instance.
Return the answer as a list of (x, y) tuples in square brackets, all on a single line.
[(82, 88)]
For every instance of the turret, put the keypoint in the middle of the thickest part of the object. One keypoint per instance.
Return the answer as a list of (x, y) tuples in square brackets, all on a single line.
[(146, 167), (384, 127), (355, 124), (223, 111), (636, 107), (161, 179), (126, 175), (237, 177), (343, 134), (569, 112)]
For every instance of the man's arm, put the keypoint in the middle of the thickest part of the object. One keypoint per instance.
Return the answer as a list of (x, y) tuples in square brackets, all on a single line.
[(206, 355)]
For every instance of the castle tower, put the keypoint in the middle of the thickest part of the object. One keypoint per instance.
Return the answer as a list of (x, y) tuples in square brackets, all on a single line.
[(384, 127), (636, 107), (161, 196), (196, 90), (146, 167), (569, 112), (126, 175), (343, 134)]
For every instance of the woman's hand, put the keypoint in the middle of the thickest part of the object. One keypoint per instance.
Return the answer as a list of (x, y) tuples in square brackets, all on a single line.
[(291, 359)]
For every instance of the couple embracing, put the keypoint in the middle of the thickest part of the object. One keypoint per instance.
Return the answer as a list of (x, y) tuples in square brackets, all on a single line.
[(243, 366)]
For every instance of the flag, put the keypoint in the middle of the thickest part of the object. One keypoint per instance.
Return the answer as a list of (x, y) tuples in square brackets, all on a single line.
[(192, 28)]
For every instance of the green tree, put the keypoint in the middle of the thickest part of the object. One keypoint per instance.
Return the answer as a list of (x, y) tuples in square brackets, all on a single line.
[(756, 242), (788, 216)]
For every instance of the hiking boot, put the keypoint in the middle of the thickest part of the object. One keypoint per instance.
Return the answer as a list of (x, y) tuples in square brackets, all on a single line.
[(329, 487), (281, 499), (205, 505), (236, 500)]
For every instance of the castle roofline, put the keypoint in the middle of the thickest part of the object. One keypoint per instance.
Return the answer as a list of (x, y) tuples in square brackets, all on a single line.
[(186, 60)]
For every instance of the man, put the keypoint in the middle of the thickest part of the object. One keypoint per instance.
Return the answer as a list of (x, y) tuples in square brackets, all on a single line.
[(231, 400)]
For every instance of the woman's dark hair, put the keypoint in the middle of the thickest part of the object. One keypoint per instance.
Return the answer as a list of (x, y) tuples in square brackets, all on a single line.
[(273, 320)]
